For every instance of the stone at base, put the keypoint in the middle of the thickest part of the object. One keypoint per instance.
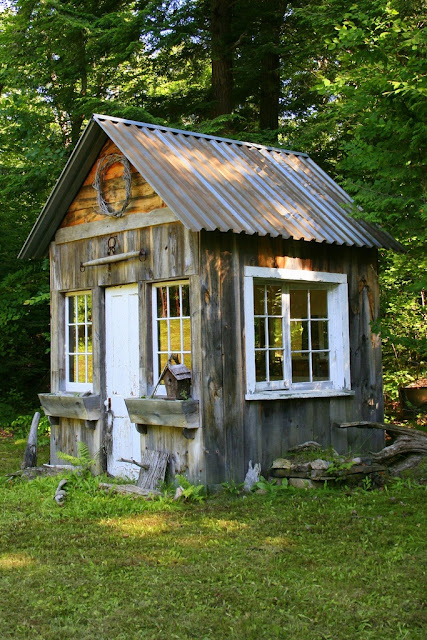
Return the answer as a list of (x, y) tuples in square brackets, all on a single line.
[(301, 483)]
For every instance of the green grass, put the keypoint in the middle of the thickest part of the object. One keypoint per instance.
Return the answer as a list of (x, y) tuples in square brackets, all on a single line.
[(330, 564)]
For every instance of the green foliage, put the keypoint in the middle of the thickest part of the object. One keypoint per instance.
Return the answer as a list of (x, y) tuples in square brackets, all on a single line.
[(83, 460), (127, 558), (232, 488), (20, 427), (270, 487), (191, 492)]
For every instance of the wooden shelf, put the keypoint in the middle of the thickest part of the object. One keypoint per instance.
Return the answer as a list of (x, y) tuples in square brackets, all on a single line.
[(161, 412), (69, 405)]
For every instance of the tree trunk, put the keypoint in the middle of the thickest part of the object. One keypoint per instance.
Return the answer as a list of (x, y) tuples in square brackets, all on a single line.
[(221, 56), (271, 24), (269, 91)]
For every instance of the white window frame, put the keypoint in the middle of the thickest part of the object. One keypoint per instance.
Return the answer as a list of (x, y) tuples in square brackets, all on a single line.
[(338, 335), (76, 386), (161, 389)]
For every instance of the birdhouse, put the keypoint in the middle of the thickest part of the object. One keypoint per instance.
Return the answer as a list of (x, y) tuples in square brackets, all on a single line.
[(177, 379)]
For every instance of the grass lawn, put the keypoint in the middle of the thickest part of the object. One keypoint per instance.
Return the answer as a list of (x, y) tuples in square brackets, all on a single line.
[(299, 564)]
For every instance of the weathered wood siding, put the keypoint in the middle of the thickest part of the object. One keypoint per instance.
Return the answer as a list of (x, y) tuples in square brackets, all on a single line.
[(171, 253), (236, 430), (84, 207)]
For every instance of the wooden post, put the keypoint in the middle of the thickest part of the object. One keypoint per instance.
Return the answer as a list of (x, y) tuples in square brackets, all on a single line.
[(30, 455)]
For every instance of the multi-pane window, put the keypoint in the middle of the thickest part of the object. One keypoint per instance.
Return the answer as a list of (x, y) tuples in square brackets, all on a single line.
[(309, 335), (172, 324), (78, 340), (296, 325)]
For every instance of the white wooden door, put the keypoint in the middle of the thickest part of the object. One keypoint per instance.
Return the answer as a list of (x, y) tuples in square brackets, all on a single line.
[(122, 374)]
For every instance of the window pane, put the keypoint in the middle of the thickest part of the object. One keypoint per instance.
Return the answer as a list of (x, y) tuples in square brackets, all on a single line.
[(71, 339), (299, 335), (275, 332), (187, 360), (81, 360), (259, 293), (318, 304), (319, 334), (259, 333), (185, 300), (186, 334), (163, 358), (276, 365), (321, 366), (89, 369), (81, 338), (299, 303), (174, 303), (163, 335), (81, 308), (260, 372), (162, 304), (274, 300), (175, 335), (300, 367), (89, 308), (89, 339), (71, 317), (72, 369)]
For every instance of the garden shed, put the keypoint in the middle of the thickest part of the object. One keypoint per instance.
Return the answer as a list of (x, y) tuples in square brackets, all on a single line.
[(240, 261)]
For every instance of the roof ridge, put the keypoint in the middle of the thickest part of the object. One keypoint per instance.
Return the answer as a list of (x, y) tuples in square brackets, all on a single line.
[(197, 134)]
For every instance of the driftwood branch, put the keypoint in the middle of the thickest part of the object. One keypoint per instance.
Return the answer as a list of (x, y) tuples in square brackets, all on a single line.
[(391, 428), (409, 442), (30, 455), (132, 461)]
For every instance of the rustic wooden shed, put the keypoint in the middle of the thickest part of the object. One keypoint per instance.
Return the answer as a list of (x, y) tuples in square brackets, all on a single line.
[(241, 260)]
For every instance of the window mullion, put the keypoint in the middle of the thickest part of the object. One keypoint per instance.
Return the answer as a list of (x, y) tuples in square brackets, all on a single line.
[(287, 356)]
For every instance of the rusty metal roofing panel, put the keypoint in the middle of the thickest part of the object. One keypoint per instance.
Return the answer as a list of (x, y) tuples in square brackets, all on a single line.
[(216, 183)]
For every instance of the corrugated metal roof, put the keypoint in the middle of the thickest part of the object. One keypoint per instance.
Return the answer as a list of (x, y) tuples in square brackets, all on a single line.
[(217, 183)]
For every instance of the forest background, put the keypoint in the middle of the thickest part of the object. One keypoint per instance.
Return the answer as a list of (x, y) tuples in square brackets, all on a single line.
[(345, 82)]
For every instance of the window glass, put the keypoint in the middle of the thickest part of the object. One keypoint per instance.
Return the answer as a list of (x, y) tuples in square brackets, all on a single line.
[(172, 330), (79, 340), (290, 334)]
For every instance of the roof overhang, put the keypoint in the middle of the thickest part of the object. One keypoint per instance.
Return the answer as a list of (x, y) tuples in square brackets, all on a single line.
[(216, 183), (65, 190)]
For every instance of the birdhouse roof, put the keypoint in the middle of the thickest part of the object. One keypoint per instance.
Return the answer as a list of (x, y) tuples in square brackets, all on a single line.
[(179, 371)]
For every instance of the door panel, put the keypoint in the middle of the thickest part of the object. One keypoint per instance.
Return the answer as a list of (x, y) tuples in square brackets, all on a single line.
[(122, 374)]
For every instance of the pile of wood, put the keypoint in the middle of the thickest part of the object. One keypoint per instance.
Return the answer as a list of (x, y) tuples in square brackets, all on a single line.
[(405, 452)]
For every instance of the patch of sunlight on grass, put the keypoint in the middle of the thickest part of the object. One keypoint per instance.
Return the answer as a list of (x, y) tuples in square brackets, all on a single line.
[(19, 442), (15, 561), (225, 525), (279, 542), (139, 525)]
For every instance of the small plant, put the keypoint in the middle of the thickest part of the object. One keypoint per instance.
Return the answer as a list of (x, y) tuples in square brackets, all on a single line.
[(232, 488), (83, 460), (367, 483), (269, 487), (191, 492), (337, 467)]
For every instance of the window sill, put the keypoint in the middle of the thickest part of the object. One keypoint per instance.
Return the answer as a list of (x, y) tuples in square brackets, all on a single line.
[(286, 394)]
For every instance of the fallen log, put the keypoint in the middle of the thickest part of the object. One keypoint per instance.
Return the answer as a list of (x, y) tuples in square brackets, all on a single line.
[(409, 442), (128, 489)]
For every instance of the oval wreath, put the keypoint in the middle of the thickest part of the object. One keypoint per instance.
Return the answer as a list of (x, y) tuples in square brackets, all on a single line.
[(102, 167)]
